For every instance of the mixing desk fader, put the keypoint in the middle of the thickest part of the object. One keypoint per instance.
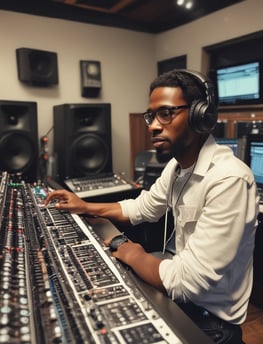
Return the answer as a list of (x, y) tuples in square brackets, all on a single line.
[(59, 282)]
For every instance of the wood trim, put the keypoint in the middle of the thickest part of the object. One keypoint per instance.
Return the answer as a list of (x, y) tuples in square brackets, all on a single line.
[(140, 138), (239, 115)]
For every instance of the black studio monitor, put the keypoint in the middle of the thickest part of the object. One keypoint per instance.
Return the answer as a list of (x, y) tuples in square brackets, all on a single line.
[(37, 67), (82, 139), (19, 138)]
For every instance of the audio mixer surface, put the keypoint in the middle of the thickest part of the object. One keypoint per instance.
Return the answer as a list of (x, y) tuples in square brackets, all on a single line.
[(60, 284)]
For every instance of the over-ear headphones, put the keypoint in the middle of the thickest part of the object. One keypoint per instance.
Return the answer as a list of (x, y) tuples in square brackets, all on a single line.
[(202, 112)]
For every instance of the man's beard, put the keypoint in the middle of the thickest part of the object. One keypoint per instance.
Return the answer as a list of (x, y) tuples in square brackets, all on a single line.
[(163, 156), (177, 150)]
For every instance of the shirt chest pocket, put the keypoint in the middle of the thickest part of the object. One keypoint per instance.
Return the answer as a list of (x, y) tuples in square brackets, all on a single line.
[(187, 219)]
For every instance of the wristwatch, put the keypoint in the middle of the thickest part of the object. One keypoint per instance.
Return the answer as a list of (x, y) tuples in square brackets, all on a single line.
[(117, 241)]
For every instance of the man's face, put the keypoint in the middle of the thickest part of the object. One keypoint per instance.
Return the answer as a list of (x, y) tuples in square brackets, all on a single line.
[(173, 139)]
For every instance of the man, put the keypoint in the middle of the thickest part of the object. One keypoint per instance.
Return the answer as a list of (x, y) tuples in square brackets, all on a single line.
[(206, 263)]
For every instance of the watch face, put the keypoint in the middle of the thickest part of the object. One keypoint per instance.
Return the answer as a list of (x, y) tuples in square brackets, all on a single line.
[(117, 241)]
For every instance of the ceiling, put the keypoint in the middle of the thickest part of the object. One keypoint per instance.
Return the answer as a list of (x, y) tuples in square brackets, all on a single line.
[(153, 16)]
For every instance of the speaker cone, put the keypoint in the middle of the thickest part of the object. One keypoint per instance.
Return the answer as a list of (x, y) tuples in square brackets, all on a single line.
[(17, 152), (40, 63), (89, 154)]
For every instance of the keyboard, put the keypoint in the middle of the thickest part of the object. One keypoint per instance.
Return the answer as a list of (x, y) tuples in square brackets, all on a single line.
[(91, 186)]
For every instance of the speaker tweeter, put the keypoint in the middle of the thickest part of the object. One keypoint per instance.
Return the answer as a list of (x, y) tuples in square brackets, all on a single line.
[(90, 78)]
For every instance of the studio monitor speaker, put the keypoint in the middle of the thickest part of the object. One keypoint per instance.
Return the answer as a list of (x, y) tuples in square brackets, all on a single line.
[(90, 78), (82, 139), (19, 138), (37, 67)]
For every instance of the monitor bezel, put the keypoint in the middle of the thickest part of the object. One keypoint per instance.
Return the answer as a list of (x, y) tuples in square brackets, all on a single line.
[(240, 101), (249, 139)]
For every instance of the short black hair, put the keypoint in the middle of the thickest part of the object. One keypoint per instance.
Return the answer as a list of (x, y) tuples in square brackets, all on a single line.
[(191, 87)]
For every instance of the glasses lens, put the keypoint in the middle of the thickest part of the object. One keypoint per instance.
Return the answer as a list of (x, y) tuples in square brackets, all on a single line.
[(164, 116), (148, 117)]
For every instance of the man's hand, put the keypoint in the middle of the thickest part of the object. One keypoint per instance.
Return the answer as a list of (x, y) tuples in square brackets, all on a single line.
[(66, 200), (144, 264)]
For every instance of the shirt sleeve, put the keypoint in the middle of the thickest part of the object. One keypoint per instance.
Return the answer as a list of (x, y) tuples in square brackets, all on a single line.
[(150, 205)]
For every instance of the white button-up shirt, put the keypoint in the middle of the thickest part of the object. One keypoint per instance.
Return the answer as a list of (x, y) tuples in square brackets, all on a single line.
[(215, 210)]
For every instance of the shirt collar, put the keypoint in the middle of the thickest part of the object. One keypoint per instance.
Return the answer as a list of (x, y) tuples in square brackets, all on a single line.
[(205, 156), (201, 166)]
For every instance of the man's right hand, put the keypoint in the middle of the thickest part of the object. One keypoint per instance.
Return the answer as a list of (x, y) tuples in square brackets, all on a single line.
[(66, 200)]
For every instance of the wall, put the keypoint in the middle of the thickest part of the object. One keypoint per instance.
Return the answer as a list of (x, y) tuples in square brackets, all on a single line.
[(232, 22), (128, 61), (127, 66)]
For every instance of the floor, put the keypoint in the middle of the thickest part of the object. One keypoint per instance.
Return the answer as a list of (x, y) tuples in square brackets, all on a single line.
[(253, 327)]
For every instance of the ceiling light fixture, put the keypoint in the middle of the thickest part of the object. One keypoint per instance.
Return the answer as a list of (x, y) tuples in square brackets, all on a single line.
[(187, 4), (180, 2)]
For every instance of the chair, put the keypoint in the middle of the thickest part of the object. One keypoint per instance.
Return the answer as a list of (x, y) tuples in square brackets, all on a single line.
[(140, 163)]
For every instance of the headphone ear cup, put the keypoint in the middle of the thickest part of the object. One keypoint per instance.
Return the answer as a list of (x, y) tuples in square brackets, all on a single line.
[(195, 114), (203, 112), (202, 117)]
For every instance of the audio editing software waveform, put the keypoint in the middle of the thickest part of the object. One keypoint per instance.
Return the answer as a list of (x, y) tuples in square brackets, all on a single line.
[(58, 281)]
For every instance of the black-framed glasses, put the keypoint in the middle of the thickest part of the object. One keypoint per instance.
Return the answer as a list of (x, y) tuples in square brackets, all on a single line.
[(163, 115)]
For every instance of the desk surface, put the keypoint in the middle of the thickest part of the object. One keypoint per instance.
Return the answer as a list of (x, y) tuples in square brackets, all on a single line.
[(181, 324)]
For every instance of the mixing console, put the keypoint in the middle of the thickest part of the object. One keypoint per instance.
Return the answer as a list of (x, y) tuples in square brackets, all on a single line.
[(59, 282)]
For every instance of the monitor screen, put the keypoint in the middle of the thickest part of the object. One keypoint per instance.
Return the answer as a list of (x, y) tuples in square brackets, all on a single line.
[(239, 84), (256, 159)]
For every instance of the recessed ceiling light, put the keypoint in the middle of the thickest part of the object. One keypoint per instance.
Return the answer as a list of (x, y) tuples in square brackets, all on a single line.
[(180, 2), (189, 5)]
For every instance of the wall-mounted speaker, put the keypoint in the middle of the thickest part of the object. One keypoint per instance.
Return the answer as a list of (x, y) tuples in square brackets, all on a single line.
[(37, 67), (90, 72), (19, 138), (82, 139)]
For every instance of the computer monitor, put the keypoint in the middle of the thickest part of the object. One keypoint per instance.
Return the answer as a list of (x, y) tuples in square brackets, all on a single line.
[(240, 84), (254, 156)]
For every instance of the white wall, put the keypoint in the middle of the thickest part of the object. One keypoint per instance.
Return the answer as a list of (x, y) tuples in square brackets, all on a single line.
[(128, 61), (232, 22), (127, 66)]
